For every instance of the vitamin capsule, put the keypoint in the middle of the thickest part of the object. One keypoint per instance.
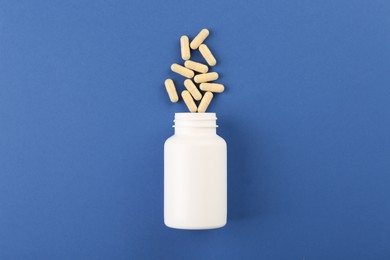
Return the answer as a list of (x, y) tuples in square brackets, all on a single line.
[(207, 97), (196, 66), (207, 55), (213, 87), (199, 39), (185, 47), (182, 71), (171, 89), (191, 87), (189, 101), (206, 77)]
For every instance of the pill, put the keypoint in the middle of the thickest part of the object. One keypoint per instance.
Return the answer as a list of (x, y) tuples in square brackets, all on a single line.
[(207, 55), (207, 97), (202, 35), (171, 89), (191, 87), (189, 101), (182, 71), (206, 77), (196, 66), (213, 87), (185, 47)]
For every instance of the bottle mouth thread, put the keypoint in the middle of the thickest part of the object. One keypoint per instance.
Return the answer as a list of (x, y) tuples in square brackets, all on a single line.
[(195, 120)]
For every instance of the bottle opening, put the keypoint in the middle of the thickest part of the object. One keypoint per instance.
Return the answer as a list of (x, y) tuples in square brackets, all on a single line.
[(195, 120)]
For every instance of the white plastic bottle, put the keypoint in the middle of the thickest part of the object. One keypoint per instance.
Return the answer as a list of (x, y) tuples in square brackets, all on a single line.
[(195, 174)]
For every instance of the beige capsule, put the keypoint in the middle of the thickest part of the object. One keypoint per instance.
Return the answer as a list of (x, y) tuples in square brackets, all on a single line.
[(189, 101), (213, 87), (206, 77), (207, 55), (171, 89), (191, 87), (196, 66), (204, 104), (185, 47), (202, 35), (182, 71)]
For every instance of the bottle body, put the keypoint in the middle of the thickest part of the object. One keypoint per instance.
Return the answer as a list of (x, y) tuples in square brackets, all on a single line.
[(195, 175)]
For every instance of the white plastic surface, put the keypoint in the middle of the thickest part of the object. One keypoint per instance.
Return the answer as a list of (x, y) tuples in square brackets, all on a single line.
[(195, 174)]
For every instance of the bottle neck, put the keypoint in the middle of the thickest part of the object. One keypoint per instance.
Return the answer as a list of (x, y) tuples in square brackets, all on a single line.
[(195, 131), (195, 124)]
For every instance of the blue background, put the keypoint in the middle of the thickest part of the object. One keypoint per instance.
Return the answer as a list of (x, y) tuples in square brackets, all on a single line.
[(84, 115)]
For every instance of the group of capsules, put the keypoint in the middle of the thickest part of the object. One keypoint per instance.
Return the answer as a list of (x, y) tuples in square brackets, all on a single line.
[(204, 77)]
